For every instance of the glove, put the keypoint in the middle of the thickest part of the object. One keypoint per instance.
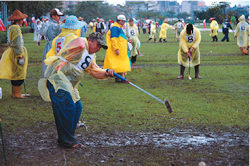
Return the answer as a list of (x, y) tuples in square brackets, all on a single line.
[(21, 61)]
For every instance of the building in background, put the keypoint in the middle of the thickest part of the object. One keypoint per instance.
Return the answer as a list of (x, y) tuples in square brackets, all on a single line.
[(169, 6)]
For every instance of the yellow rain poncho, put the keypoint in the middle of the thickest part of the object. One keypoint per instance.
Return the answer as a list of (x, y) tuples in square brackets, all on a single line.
[(214, 26), (69, 35), (242, 31), (9, 67), (94, 26), (163, 32), (186, 42), (116, 39), (132, 33), (65, 71), (152, 31), (78, 32)]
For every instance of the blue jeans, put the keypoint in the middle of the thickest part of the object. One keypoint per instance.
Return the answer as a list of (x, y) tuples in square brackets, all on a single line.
[(225, 37), (66, 113)]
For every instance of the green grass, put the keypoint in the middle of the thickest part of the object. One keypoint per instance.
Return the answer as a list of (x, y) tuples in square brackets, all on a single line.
[(219, 100)]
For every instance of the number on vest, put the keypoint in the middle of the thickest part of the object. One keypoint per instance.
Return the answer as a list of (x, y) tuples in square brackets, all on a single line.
[(132, 32), (243, 27), (58, 47), (190, 39), (86, 62)]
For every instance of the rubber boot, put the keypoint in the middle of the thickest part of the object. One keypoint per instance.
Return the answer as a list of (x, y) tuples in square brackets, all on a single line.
[(164, 40), (155, 40), (16, 92), (197, 72), (39, 43), (245, 52), (133, 59), (160, 40), (181, 72)]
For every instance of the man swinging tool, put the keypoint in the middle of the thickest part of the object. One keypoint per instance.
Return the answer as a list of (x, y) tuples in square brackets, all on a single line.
[(189, 48), (62, 77)]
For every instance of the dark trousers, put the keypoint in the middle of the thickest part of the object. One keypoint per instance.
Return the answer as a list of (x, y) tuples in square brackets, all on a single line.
[(17, 82), (225, 37), (67, 114), (144, 31)]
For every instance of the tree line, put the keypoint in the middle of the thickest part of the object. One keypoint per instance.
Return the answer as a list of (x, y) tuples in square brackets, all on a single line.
[(136, 9)]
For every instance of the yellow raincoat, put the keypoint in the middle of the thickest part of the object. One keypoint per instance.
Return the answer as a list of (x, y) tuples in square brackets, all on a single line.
[(214, 26), (94, 26), (116, 39), (186, 42), (132, 33), (78, 32), (69, 35), (242, 31), (152, 31), (69, 75), (163, 32), (9, 67)]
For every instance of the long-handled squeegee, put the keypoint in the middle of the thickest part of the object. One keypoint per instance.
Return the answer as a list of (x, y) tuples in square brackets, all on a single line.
[(166, 100)]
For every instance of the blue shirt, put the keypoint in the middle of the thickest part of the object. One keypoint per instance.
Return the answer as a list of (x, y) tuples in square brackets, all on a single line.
[(226, 26)]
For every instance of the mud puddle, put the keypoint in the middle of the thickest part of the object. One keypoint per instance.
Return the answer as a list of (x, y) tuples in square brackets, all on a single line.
[(39, 147), (177, 140)]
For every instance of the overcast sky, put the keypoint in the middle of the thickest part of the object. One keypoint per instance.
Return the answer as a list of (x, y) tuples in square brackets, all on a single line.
[(207, 2)]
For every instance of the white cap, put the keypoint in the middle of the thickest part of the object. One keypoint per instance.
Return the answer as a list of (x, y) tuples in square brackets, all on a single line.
[(58, 12), (121, 17)]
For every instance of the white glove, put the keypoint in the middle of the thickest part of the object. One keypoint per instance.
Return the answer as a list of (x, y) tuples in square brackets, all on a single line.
[(21, 61)]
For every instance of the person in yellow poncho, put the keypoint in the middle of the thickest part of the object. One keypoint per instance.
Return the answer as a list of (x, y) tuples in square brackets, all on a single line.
[(152, 32), (132, 34), (163, 32), (117, 56), (14, 61), (242, 34), (189, 48), (214, 26), (63, 75), (94, 24)]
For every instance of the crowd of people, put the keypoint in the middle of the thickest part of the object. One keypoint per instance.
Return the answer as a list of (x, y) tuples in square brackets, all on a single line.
[(68, 53)]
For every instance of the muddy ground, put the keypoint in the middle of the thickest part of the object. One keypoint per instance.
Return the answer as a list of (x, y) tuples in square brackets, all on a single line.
[(175, 147)]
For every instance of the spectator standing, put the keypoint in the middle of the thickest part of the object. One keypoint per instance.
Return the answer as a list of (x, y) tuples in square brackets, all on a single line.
[(138, 26), (152, 32), (117, 57), (179, 27), (32, 25), (14, 61), (37, 29), (214, 29), (132, 36), (156, 26), (144, 27), (50, 30), (81, 32), (225, 30), (242, 34), (163, 32)]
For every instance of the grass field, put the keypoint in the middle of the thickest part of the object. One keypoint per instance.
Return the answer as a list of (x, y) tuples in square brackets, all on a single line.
[(217, 103)]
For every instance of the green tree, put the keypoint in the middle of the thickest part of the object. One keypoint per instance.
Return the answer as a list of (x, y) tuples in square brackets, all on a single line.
[(33, 8), (170, 13), (183, 15), (91, 9)]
